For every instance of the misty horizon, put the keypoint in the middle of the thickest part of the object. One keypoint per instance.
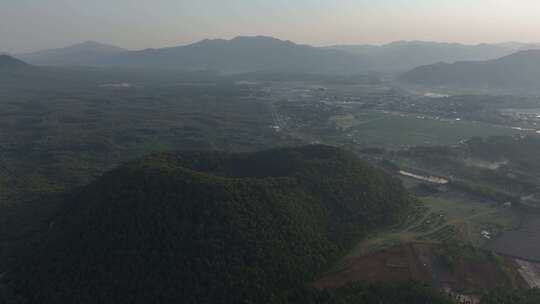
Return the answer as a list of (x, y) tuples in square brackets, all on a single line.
[(112, 44), (270, 151), (26, 27)]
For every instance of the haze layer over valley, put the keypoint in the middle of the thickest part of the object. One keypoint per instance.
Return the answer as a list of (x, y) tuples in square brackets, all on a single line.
[(327, 165)]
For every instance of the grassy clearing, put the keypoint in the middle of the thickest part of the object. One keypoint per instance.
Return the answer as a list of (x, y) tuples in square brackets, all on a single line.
[(445, 217)]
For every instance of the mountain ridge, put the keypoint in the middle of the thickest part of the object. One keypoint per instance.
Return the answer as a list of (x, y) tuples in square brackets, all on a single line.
[(85, 53), (406, 55), (520, 69), (245, 54), (242, 54)]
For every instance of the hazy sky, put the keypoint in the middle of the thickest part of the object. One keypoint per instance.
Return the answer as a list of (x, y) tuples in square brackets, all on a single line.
[(27, 25)]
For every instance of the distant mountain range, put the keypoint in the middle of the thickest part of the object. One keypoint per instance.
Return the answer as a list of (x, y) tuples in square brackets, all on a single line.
[(256, 54), (86, 53), (521, 69), (8, 62), (243, 54), (406, 55)]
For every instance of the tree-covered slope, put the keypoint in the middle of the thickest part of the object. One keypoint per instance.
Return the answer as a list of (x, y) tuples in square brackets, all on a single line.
[(205, 227), (375, 293), (510, 296)]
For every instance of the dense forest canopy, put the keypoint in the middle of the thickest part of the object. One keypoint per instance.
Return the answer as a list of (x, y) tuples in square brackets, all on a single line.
[(204, 227)]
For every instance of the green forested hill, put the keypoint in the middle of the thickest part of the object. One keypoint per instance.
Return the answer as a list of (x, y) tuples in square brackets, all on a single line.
[(208, 228), (508, 296)]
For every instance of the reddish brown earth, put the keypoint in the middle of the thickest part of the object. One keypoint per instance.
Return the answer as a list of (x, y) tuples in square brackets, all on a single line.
[(395, 264), (420, 261)]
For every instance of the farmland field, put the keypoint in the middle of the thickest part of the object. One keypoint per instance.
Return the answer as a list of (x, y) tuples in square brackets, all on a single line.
[(398, 130), (444, 217)]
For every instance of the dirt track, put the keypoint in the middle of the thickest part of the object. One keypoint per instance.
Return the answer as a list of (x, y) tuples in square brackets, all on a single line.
[(530, 273)]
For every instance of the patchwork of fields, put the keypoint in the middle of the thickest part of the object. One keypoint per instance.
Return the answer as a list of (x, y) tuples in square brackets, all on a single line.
[(444, 217), (398, 130)]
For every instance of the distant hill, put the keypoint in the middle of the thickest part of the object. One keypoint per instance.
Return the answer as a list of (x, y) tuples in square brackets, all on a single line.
[(406, 55), (86, 53), (8, 62), (242, 54), (209, 227), (519, 70)]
